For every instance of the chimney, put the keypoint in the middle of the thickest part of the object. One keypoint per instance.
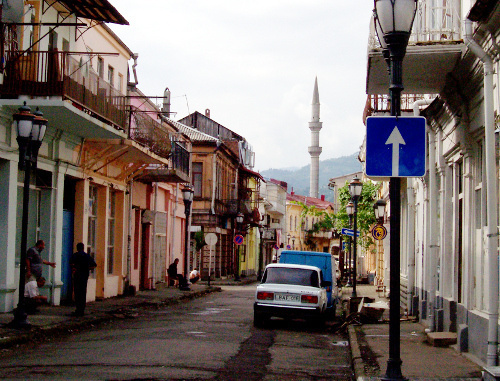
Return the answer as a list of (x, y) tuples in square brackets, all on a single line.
[(322, 197), (207, 113), (166, 103)]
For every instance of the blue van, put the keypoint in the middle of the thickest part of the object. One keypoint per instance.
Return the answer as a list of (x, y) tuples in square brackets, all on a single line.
[(325, 262)]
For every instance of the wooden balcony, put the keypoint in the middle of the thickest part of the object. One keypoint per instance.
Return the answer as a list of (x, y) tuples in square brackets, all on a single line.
[(53, 73)]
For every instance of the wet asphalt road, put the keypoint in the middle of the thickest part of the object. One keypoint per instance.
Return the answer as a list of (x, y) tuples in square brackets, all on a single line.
[(211, 338)]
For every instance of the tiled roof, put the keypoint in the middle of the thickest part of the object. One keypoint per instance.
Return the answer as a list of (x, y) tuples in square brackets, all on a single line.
[(191, 133), (309, 201)]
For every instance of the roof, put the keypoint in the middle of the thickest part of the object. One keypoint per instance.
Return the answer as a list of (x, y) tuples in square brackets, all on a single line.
[(193, 134), (309, 201), (252, 173), (100, 10)]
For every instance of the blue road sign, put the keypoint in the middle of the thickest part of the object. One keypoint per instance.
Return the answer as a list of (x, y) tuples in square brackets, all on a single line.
[(395, 146), (349, 232)]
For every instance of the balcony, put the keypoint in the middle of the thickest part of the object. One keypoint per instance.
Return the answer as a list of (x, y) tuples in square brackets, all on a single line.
[(58, 74), (176, 172), (435, 47)]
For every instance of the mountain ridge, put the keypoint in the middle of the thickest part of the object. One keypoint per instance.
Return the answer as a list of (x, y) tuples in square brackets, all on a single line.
[(299, 179)]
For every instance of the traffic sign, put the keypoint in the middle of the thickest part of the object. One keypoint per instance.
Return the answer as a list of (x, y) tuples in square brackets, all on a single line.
[(276, 247), (349, 232), (288, 247), (395, 146), (211, 239), (379, 232), (238, 239)]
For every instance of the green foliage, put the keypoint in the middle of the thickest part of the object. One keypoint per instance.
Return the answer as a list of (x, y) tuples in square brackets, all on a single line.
[(199, 239), (366, 216)]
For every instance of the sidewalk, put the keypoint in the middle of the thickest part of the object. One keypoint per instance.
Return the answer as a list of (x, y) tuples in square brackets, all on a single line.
[(370, 348), (56, 320)]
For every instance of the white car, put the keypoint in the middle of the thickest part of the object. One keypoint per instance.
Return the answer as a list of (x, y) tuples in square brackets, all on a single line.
[(290, 291)]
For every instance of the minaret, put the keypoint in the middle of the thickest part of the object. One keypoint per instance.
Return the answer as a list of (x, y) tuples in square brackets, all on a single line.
[(315, 150)]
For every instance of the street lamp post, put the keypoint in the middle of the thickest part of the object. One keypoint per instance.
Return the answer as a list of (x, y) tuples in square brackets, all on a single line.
[(350, 212), (355, 188), (394, 20), (261, 252), (30, 132), (187, 195), (239, 222)]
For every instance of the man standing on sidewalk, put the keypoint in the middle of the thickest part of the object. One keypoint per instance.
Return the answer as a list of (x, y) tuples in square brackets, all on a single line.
[(34, 261), (81, 263)]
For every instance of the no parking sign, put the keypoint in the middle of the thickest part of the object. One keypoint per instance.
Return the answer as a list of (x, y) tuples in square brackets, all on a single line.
[(238, 239)]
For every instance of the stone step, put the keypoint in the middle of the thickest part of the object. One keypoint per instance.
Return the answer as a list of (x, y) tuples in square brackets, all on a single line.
[(441, 339)]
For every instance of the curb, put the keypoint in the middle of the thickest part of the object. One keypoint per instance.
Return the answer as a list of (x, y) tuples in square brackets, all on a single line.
[(357, 360), (70, 326)]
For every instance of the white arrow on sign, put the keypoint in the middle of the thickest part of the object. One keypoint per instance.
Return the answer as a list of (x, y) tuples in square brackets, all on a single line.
[(395, 139)]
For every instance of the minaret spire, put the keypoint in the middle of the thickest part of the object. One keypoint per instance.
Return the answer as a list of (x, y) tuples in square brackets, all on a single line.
[(315, 150)]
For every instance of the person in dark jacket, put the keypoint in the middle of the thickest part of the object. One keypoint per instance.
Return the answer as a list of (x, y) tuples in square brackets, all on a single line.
[(81, 263), (173, 274)]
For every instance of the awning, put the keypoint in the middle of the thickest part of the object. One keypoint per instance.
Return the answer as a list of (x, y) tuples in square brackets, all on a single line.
[(100, 10), (252, 173), (123, 150)]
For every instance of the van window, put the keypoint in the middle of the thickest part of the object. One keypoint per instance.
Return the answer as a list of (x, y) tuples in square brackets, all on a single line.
[(285, 275)]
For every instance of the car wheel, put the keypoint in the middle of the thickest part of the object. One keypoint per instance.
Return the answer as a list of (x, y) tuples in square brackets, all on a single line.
[(259, 319)]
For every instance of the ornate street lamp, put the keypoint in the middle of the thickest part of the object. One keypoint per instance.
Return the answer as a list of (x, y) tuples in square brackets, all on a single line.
[(30, 130), (395, 20), (187, 196), (379, 210), (261, 252), (239, 222), (350, 212), (355, 188)]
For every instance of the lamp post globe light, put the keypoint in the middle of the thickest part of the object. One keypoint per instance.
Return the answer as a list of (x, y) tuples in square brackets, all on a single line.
[(355, 188), (187, 196), (30, 130), (379, 210), (350, 212), (239, 222), (395, 20)]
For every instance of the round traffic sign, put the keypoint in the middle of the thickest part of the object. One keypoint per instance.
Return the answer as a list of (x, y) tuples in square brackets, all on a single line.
[(379, 232), (276, 247), (238, 239), (211, 239)]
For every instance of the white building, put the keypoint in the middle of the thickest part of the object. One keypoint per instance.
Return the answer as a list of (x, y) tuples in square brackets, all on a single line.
[(449, 247)]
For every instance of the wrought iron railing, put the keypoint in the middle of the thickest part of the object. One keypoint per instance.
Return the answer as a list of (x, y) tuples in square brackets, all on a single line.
[(180, 158), (381, 102), (53, 73), (435, 21), (150, 133)]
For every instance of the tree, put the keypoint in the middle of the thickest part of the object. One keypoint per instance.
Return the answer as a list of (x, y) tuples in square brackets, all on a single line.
[(366, 216)]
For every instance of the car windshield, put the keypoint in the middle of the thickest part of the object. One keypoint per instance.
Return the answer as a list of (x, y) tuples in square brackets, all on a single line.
[(287, 275)]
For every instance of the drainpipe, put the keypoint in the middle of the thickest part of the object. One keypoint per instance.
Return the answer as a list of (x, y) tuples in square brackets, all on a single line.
[(129, 236), (491, 194), (432, 239), (214, 181), (153, 246)]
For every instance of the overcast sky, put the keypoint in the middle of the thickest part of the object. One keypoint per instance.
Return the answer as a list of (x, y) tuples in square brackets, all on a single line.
[(253, 64)]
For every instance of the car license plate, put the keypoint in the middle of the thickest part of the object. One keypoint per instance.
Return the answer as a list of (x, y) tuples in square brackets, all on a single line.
[(287, 297)]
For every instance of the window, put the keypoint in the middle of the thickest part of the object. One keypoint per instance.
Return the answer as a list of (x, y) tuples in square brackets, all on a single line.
[(291, 219), (197, 179), (120, 82), (286, 275), (111, 75), (92, 229), (275, 220), (111, 231), (100, 67)]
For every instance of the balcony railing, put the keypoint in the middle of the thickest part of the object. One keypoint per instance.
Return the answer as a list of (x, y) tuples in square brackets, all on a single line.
[(379, 103), (180, 158), (53, 73), (149, 133), (435, 21)]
